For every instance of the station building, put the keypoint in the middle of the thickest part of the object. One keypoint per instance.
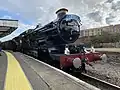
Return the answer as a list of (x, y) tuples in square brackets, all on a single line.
[(86, 34), (7, 26)]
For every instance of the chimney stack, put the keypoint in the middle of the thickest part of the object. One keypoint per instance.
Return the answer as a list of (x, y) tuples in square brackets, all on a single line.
[(61, 12)]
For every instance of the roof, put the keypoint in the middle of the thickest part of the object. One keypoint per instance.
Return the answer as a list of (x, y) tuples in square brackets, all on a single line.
[(9, 19), (7, 26)]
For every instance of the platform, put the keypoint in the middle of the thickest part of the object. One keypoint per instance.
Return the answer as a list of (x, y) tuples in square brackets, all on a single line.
[(22, 72)]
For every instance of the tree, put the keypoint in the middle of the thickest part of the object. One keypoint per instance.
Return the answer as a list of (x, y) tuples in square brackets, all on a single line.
[(105, 37)]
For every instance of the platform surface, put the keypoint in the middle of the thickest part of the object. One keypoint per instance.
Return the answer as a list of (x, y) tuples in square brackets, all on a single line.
[(21, 72), (106, 49), (3, 69)]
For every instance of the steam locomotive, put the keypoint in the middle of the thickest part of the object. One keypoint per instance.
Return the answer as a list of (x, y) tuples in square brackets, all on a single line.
[(48, 43)]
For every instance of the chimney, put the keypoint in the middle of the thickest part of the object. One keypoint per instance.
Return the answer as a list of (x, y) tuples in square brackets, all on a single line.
[(61, 12)]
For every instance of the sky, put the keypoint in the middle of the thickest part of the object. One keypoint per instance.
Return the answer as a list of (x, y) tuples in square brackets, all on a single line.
[(93, 13)]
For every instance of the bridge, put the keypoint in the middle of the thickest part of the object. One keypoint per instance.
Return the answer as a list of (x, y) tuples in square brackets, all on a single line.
[(7, 26)]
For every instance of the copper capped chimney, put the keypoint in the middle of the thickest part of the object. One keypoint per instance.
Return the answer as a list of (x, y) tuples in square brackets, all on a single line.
[(61, 12)]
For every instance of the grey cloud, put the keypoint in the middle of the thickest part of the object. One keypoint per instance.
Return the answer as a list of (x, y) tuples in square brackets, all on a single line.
[(44, 10), (116, 6), (110, 19), (80, 6), (29, 9), (109, 1), (95, 16), (92, 3)]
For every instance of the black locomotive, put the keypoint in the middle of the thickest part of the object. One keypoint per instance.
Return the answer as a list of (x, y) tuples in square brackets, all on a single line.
[(49, 42), (51, 38)]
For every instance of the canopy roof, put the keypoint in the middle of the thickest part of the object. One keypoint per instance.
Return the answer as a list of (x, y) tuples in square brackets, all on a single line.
[(7, 26)]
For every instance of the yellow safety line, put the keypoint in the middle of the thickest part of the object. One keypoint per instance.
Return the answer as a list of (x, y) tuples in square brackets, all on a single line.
[(15, 77)]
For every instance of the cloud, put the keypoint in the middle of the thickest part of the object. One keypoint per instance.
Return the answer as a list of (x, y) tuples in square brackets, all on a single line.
[(106, 12), (93, 13), (30, 9), (96, 16), (109, 1), (116, 6), (44, 10), (6, 17)]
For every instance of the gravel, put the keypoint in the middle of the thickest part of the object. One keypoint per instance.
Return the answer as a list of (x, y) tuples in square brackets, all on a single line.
[(108, 71)]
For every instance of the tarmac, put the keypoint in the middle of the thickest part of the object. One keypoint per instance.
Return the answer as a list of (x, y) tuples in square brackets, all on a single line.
[(3, 69)]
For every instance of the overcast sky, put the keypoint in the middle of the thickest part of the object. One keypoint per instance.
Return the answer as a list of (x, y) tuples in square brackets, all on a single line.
[(93, 13)]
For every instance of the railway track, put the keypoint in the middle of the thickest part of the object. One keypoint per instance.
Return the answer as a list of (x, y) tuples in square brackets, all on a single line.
[(103, 85)]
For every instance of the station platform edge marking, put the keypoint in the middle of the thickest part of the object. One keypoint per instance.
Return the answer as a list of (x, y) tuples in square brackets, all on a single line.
[(15, 77)]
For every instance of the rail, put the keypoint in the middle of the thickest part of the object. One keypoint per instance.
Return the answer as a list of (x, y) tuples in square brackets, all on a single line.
[(103, 85)]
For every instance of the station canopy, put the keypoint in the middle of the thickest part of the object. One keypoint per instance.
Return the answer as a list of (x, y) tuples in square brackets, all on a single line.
[(7, 26)]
